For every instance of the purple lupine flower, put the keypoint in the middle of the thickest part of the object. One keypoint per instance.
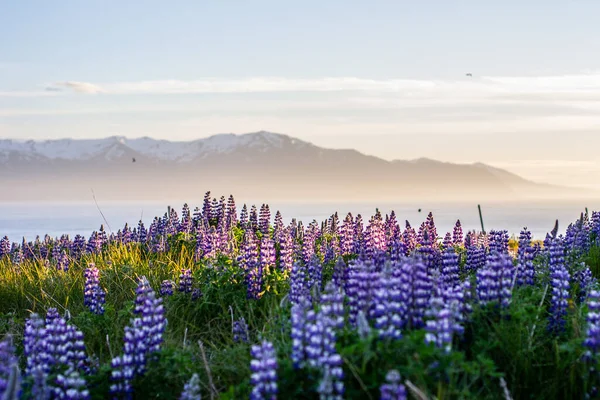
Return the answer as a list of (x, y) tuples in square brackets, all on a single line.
[(457, 234), (253, 218), (388, 308), (249, 256), (340, 273), (309, 241), (347, 236), (64, 344), (244, 217), (286, 250), (299, 319), (267, 252), (525, 267), (71, 385), (439, 330), (592, 337), (231, 212), (206, 206), (143, 338), (392, 229), (357, 289), (556, 253), (186, 220), (191, 390), (475, 258), (358, 235), (93, 295), (392, 389), (166, 288), (447, 243), (240, 331), (332, 305), (560, 299), (397, 250), (8, 361), (264, 372), (584, 281), (375, 236), (449, 274), (298, 283), (428, 250), (4, 247), (254, 281), (35, 346), (278, 227), (416, 286), (315, 273), (264, 219), (196, 294), (214, 211), (495, 280), (186, 281), (498, 241)]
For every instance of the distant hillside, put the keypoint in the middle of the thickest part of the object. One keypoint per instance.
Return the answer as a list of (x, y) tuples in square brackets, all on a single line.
[(264, 164)]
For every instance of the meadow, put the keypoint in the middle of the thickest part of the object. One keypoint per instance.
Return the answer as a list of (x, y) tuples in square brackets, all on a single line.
[(217, 303)]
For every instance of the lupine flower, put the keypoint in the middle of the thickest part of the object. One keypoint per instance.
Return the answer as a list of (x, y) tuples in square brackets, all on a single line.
[(264, 219), (584, 280), (264, 372), (196, 294), (526, 270), (494, 281), (298, 284), (560, 296), (93, 295), (166, 288), (498, 241), (415, 286), (253, 219), (592, 338), (457, 234), (449, 275), (8, 361), (315, 272), (388, 309), (143, 338), (71, 386), (267, 252), (4, 247), (332, 304), (240, 330), (393, 389), (191, 390), (357, 289), (439, 330), (185, 281), (347, 235)]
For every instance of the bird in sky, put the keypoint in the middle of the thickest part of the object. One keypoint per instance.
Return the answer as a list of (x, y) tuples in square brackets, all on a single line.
[(133, 159), (469, 74)]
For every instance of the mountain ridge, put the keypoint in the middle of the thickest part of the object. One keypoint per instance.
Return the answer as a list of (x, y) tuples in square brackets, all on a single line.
[(258, 163)]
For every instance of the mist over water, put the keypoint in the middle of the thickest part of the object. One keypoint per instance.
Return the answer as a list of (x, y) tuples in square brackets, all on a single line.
[(18, 220)]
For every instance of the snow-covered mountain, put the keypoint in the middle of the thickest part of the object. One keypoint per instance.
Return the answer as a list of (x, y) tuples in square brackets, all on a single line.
[(255, 164), (116, 147)]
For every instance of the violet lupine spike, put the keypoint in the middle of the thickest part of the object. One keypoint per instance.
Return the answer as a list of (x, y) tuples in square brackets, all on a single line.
[(232, 218), (315, 274), (431, 229), (584, 280), (264, 372), (186, 220), (556, 253), (214, 211), (249, 255), (375, 237), (439, 330), (392, 389), (264, 219), (592, 337), (347, 236), (278, 227), (358, 235), (357, 290), (388, 309), (457, 234), (71, 385), (286, 250), (392, 229), (191, 390), (495, 280), (498, 241), (340, 273), (64, 345), (267, 252), (450, 269), (167, 288), (526, 269), (240, 331), (143, 338), (93, 295), (416, 287), (397, 250), (409, 238), (559, 303), (206, 206), (186, 281), (299, 318), (299, 286), (253, 218), (244, 217), (332, 305), (447, 243), (8, 360), (254, 281), (4, 247), (196, 294)]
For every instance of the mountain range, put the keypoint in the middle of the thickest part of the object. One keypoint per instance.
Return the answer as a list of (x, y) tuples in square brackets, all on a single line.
[(258, 165)]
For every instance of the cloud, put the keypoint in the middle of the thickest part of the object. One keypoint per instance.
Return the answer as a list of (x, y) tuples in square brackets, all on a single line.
[(79, 87)]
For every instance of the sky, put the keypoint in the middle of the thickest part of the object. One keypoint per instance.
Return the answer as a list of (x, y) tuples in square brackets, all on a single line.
[(388, 78)]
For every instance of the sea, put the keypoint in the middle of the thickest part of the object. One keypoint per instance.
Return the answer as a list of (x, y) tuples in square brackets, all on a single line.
[(30, 219)]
